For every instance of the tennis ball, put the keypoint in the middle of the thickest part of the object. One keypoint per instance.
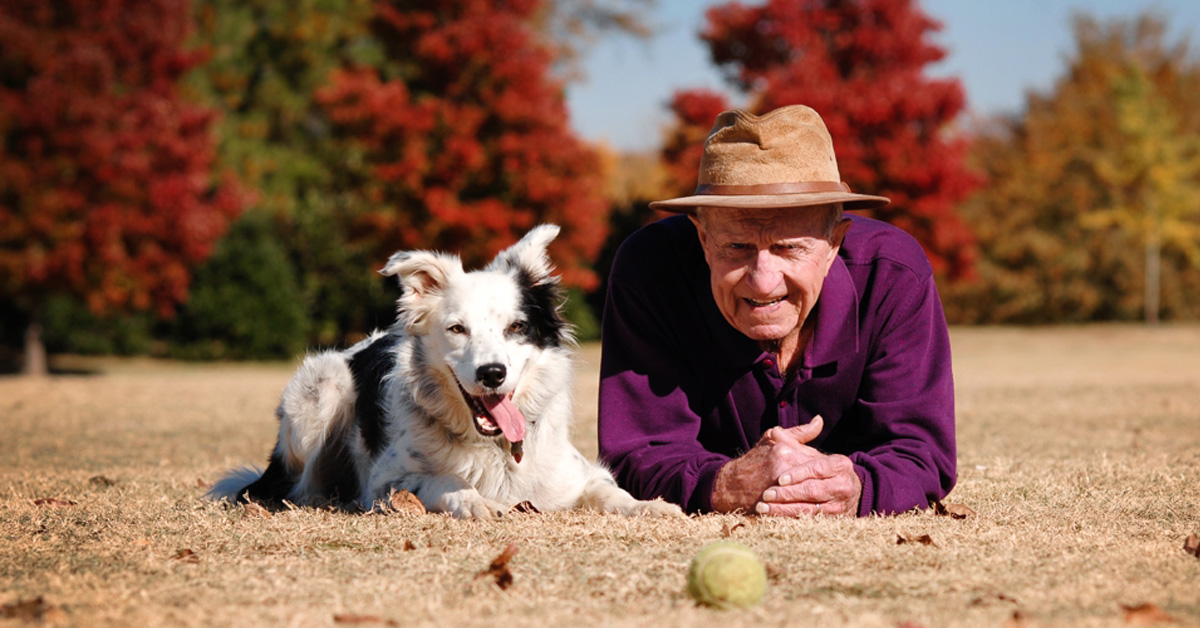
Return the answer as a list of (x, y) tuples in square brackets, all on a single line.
[(727, 575)]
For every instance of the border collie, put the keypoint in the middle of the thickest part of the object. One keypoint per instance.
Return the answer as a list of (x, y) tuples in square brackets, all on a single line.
[(465, 401)]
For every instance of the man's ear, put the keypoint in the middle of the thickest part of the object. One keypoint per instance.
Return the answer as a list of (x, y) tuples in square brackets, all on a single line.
[(700, 231), (836, 239)]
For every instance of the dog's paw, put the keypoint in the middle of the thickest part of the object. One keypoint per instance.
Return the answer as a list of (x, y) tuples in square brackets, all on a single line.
[(479, 508), (651, 508)]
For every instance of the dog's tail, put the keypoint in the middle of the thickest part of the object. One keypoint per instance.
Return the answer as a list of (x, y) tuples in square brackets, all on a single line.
[(233, 484)]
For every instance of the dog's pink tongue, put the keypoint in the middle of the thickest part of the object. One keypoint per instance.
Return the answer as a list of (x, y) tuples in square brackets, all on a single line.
[(507, 416)]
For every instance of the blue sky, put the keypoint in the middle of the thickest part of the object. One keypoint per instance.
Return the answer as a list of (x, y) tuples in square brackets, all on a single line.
[(999, 49)]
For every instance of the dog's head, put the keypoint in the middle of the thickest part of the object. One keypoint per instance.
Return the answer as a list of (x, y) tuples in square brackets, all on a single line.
[(484, 327)]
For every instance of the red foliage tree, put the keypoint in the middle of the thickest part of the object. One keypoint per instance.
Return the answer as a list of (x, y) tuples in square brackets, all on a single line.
[(465, 135), (106, 184), (859, 63)]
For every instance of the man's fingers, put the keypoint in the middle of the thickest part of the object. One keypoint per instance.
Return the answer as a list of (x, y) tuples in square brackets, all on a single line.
[(823, 509), (799, 434), (818, 468)]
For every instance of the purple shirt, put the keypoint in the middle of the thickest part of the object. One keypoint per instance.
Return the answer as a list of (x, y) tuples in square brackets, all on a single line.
[(682, 392)]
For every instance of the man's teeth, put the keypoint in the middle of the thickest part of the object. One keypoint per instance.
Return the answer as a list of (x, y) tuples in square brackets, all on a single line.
[(757, 303)]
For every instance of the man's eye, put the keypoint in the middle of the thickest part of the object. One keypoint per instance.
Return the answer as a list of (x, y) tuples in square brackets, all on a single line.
[(456, 329)]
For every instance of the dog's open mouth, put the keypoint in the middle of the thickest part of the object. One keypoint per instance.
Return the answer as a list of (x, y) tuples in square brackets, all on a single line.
[(495, 415)]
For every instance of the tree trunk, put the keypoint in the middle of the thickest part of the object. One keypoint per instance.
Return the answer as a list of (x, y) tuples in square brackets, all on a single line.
[(1153, 279), (35, 352)]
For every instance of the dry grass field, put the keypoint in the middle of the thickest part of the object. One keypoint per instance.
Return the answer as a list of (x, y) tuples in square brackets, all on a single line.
[(1079, 452)]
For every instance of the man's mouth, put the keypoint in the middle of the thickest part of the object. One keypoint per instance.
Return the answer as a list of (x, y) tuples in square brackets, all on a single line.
[(757, 303), (496, 414)]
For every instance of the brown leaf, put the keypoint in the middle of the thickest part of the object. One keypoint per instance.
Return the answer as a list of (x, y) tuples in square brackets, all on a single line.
[(525, 507), (1191, 545), (728, 530), (774, 572), (100, 480), (255, 509), (349, 618), (35, 610), (954, 511), (405, 503), (409, 545), (200, 483), (499, 568), (1145, 614), (186, 556), (924, 539), (53, 501)]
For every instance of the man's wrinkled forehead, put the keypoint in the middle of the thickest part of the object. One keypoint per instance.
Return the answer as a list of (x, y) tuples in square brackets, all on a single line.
[(775, 223)]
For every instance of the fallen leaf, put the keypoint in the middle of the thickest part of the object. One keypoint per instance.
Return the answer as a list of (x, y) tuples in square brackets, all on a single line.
[(405, 503), (1145, 614), (954, 511), (362, 619), (1191, 545), (200, 483), (255, 509), (186, 556), (999, 597), (774, 572), (37, 609), (499, 568), (409, 545), (100, 480), (924, 539), (728, 530), (525, 507), (53, 501)]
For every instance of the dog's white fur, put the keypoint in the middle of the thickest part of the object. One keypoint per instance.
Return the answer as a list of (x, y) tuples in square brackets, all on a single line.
[(450, 323)]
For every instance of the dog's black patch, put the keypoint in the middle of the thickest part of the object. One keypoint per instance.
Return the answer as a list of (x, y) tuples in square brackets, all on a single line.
[(369, 366), (273, 486), (333, 474), (545, 326)]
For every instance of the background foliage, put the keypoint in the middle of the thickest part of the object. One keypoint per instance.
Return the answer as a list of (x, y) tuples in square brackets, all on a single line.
[(341, 130)]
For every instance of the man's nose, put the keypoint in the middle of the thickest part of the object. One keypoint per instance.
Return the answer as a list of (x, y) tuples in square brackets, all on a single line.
[(764, 274)]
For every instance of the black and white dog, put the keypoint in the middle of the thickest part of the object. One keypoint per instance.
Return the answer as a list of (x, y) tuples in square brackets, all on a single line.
[(465, 401)]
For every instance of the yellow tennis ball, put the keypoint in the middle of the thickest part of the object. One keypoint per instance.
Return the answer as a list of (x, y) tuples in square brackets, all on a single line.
[(726, 575)]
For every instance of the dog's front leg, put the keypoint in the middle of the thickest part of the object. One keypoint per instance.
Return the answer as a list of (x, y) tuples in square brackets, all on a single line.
[(601, 492), (439, 493)]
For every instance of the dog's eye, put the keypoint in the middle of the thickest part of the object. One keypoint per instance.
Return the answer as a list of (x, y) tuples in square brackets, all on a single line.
[(456, 329), (516, 327)]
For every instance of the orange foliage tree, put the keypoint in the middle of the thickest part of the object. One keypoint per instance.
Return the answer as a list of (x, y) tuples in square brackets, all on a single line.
[(463, 136), (107, 190), (859, 63)]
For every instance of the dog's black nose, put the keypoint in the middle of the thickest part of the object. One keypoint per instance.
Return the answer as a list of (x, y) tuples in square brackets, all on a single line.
[(491, 375)]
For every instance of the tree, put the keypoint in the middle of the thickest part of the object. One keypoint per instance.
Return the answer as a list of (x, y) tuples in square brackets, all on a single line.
[(268, 60), (859, 63), (107, 186), (463, 136), (1154, 178), (1086, 181)]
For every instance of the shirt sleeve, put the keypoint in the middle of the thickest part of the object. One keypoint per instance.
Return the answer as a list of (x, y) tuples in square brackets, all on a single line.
[(648, 429), (905, 407)]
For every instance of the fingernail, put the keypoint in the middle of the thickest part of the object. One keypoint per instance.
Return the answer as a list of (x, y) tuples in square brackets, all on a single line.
[(769, 495), (762, 508), (785, 479)]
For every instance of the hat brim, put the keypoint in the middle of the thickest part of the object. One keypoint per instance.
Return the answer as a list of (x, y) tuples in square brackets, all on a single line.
[(686, 204)]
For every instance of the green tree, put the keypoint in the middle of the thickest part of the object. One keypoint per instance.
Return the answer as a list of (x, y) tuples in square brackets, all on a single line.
[(1062, 224), (267, 61)]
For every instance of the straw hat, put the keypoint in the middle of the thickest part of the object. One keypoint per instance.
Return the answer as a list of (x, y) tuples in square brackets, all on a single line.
[(783, 158)]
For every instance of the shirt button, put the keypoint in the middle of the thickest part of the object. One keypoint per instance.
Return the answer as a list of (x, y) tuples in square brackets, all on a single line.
[(768, 363), (783, 403)]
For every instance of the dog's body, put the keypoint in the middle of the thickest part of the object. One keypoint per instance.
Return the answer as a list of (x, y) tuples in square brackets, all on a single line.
[(465, 401)]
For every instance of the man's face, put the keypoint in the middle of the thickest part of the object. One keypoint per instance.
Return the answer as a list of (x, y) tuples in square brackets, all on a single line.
[(768, 265)]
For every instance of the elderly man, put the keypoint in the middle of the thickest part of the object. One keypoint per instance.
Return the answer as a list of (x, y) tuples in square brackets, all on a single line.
[(764, 353)]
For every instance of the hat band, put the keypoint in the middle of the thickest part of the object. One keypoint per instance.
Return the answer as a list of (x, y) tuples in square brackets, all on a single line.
[(806, 187)]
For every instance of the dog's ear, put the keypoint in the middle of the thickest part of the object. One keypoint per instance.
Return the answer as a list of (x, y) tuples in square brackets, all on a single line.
[(423, 276), (529, 254)]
